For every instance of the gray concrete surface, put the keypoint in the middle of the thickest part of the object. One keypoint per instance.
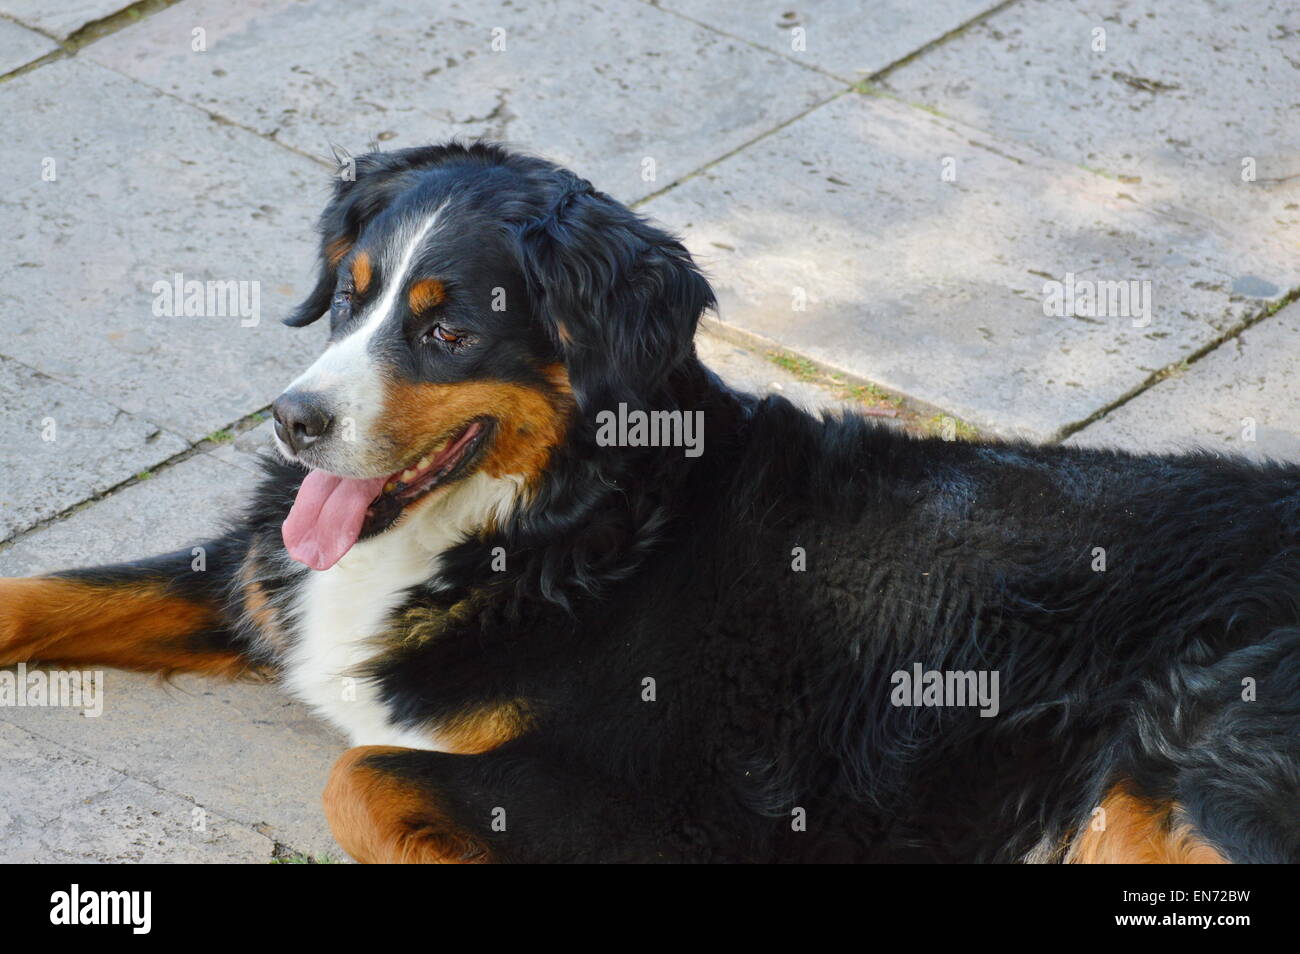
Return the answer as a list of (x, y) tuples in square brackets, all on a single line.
[(60, 445), (144, 190), (847, 207), (1241, 398), (64, 18), (844, 37), (57, 806), (1184, 97), (20, 46), (915, 173), (600, 86)]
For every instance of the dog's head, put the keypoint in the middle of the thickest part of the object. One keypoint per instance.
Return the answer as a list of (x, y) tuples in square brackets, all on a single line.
[(480, 303)]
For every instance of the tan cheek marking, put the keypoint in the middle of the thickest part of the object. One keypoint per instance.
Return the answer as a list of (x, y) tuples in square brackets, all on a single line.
[(1143, 832), (530, 422), (361, 271), (336, 249), (381, 818), (425, 294)]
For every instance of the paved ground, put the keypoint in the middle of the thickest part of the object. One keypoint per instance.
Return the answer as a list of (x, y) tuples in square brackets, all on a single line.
[(884, 193)]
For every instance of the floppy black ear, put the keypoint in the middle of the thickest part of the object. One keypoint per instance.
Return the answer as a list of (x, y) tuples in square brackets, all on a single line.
[(363, 188), (620, 298), (339, 226)]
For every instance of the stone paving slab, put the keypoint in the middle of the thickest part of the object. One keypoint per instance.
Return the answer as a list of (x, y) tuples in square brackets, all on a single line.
[(56, 806), (180, 505), (1240, 398), (1181, 95), (60, 445), (247, 447), (844, 37), (244, 751), (937, 289), (600, 87), (64, 17), (145, 189), (20, 46)]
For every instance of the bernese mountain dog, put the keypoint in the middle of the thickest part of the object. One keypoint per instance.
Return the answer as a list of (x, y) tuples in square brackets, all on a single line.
[(808, 639)]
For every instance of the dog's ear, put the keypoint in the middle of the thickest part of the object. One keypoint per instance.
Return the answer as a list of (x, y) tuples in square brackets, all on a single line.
[(339, 226), (620, 298), (364, 186)]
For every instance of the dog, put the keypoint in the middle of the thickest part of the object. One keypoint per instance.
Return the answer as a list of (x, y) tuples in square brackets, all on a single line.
[(815, 639)]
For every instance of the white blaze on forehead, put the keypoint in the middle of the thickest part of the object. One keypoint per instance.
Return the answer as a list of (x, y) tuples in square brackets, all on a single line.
[(346, 372), (403, 251)]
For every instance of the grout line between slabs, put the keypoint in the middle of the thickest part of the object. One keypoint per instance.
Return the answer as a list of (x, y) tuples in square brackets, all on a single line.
[(804, 64), (934, 44), (1162, 374), (739, 149), (85, 34), (202, 446)]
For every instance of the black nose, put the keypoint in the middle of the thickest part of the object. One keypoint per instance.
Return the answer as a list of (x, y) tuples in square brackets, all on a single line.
[(300, 419)]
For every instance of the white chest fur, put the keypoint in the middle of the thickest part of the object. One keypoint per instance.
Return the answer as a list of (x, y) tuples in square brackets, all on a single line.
[(341, 610)]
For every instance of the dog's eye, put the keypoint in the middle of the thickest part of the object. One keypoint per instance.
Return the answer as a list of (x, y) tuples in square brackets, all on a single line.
[(341, 304), (442, 334)]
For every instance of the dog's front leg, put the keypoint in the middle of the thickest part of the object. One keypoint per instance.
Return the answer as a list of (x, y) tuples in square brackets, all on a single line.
[(517, 803), (166, 614)]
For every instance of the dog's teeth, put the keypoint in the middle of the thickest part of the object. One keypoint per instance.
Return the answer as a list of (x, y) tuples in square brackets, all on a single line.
[(424, 462), (390, 486), (409, 475)]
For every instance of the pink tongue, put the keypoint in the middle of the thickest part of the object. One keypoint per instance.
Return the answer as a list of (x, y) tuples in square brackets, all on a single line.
[(326, 517)]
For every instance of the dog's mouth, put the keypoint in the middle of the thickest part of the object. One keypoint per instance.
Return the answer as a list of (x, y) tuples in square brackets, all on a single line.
[(448, 461), (332, 513)]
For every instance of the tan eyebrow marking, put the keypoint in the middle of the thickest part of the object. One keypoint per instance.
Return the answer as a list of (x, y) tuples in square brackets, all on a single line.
[(361, 271), (425, 294), (336, 249)]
